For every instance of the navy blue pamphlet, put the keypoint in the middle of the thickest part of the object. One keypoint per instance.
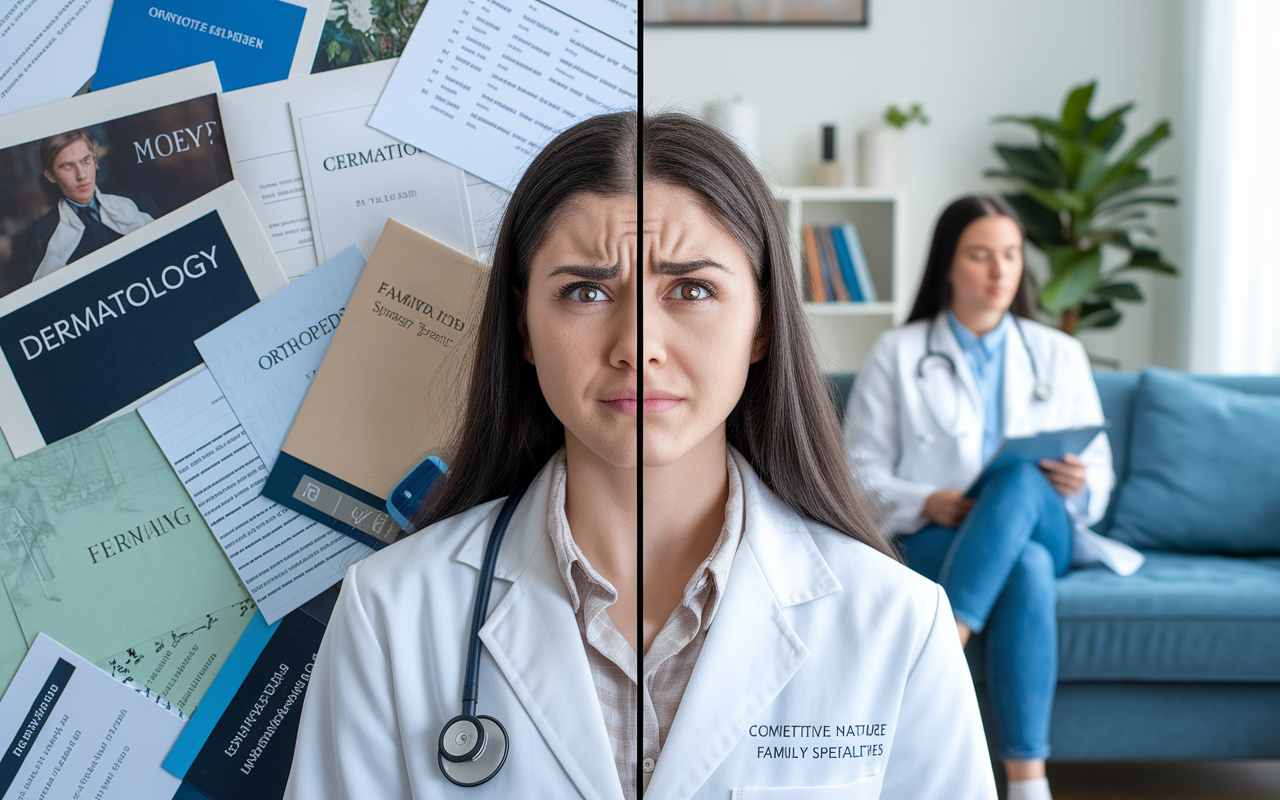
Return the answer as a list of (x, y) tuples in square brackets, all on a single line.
[(239, 743)]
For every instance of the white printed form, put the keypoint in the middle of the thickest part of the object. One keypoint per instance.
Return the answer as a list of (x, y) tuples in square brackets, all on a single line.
[(259, 131), (356, 177), (283, 558), (484, 84)]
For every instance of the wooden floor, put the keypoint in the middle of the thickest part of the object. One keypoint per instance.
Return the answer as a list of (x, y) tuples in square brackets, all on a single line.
[(1166, 780)]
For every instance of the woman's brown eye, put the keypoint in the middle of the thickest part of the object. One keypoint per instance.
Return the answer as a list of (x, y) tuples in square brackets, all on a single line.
[(586, 294), (691, 291)]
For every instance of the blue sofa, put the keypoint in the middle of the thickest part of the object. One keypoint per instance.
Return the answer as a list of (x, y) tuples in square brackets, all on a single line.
[(1182, 659)]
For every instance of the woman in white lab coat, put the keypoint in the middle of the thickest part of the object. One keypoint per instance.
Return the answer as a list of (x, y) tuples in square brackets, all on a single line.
[(930, 408), (782, 650)]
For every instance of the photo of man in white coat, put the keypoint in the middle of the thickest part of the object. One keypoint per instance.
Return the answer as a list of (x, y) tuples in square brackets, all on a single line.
[(85, 218)]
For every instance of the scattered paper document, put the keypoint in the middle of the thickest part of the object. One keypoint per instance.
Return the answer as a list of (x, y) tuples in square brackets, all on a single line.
[(264, 358), (390, 388), (251, 41), (357, 177), (181, 664), (484, 84), (283, 558), (265, 160), (122, 320), (258, 696), (76, 733), (51, 50), (99, 521), (138, 152)]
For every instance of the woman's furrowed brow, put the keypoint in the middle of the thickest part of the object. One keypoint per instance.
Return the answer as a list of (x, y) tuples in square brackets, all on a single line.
[(679, 268), (590, 273)]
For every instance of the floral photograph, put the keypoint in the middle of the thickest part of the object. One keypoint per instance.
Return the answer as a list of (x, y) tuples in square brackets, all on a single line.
[(361, 31)]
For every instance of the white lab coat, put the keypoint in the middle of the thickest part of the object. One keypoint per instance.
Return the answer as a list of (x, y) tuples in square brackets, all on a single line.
[(903, 454), (813, 629)]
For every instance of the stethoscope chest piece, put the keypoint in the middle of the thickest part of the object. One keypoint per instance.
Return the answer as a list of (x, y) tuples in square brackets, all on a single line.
[(472, 749)]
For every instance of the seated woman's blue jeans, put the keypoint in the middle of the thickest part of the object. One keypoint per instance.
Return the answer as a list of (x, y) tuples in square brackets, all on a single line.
[(998, 569)]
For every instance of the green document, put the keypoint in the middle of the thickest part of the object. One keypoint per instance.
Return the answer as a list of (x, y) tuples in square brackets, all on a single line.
[(180, 664), (6, 455), (13, 647), (100, 546)]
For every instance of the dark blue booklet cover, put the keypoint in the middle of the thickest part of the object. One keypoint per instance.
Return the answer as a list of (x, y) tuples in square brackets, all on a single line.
[(239, 743), (252, 41)]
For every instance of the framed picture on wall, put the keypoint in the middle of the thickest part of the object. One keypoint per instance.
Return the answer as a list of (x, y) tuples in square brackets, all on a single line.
[(756, 12)]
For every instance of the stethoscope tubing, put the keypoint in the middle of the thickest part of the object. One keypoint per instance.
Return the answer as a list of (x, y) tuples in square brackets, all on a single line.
[(1041, 392), (471, 677)]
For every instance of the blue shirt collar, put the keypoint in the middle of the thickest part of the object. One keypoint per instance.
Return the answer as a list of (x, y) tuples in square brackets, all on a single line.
[(92, 204), (970, 342)]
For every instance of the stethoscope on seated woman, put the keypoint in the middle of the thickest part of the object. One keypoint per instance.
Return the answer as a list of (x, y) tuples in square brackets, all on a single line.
[(1041, 393), (471, 748)]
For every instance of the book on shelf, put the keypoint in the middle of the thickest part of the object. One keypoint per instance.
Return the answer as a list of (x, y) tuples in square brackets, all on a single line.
[(844, 290), (836, 266), (830, 267), (846, 270), (814, 263), (859, 258)]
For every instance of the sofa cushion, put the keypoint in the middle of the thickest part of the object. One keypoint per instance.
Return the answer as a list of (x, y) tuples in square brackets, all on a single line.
[(1180, 617), (1204, 469)]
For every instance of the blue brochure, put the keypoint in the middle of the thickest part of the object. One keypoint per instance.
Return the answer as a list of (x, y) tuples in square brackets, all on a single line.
[(252, 41), (264, 358), (239, 742), (1050, 444)]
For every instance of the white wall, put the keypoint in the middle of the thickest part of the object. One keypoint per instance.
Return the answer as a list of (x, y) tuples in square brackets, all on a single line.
[(967, 63)]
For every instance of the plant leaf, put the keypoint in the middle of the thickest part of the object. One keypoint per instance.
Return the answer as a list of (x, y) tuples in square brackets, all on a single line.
[(1108, 130), (1128, 163), (1043, 125), (1044, 227), (1149, 258), (1125, 290), (1073, 279), (1076, 109), (1093, 166), (1135, 178), (1159, 200), (1030, 164), (1102, 318), (1060, 199)]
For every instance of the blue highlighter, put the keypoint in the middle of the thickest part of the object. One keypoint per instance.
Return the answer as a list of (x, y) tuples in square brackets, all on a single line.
[(410, 493)]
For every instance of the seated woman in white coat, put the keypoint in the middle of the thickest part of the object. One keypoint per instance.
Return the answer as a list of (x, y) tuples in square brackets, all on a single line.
[(931, 407), (781, 649)]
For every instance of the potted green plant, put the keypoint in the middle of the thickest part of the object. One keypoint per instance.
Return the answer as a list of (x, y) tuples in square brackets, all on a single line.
[(880, 148), (1075, 201)]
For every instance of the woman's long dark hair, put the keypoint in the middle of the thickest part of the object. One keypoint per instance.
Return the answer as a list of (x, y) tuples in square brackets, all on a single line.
[(785, 422), (508, 432), (935, 286)]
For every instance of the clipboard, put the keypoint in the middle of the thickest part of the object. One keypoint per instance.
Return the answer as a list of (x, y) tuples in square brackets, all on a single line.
[(1050, 444)]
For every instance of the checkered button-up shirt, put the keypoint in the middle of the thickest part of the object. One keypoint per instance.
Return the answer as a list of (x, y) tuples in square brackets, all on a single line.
[(671, 658)]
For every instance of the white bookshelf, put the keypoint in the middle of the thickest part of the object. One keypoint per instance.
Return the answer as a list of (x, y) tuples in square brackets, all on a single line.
[(844, 332)]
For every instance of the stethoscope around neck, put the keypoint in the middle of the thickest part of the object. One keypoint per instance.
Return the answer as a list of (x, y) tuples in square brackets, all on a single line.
[(1041, 393), (473, 748)]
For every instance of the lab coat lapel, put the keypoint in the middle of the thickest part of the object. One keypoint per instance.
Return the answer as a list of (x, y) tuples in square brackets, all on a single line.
[(533, 637), (1019, 385), (970, 443), (751, 651)]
